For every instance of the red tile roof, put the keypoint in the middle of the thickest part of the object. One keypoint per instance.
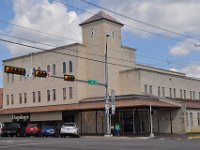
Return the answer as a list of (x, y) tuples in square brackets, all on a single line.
[(99, 16), (91, 105)]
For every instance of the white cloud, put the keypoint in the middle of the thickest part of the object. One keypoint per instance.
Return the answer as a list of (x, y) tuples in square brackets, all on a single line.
[(47, 17), (179, 16), (191, 71), (182, 48)]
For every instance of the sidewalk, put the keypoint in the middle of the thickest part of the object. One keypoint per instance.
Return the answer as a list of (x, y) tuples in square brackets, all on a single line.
[(145, 137)]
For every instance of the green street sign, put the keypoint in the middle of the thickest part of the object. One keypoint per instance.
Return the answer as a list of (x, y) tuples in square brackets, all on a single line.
[(92, 82)]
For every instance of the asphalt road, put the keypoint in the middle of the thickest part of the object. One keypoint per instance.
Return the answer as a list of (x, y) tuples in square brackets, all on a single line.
[(96, 143)]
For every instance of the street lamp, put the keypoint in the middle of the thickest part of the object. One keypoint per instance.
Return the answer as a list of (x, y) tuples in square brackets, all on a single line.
[(106, 95)]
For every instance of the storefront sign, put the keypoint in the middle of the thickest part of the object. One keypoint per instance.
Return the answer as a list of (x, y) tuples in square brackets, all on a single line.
[(20, 117)]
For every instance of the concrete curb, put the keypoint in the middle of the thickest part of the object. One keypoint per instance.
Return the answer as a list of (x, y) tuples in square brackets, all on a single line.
[(193, 137)]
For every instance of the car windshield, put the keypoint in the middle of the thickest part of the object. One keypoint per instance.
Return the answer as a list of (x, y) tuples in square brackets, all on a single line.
[(69, 125), (11, 125)]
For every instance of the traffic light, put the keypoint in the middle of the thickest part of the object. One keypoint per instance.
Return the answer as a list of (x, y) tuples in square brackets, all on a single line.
[(69, 77), (15, 70), (40, 73)]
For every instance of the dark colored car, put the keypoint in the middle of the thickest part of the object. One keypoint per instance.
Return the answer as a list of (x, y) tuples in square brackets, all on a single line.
[(12, 129), (49, 131), (33, 129)]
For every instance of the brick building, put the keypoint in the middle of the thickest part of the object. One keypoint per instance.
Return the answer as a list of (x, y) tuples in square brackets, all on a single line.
[(174, 97)]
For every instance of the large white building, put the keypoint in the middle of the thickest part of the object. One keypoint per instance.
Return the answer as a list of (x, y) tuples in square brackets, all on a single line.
[(174, 97)]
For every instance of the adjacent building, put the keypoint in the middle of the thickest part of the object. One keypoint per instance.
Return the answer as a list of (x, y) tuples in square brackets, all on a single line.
[(174, 97)]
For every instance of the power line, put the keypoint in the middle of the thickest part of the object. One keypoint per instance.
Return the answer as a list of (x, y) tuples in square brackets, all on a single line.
[(16, 37), (146, 31), (139, 21), (51, 51)]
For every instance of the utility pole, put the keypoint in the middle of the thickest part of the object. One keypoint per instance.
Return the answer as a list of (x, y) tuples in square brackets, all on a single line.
[(106, 95), (151, 129)]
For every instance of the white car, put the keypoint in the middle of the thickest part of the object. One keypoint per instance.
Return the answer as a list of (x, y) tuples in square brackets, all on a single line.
[(69, 129), (1, 126)]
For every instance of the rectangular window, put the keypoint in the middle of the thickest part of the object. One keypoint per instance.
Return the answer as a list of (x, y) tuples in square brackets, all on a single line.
[(70, 93), (170, 92), (54, 94), (198, 118), (33, 97), (25, 97), (64, 93), (48, 95), (12, 99), (185, 97), (39, 96), (159, 91), (191, 119), (20, 98), (199, 95), (194, 95), (187, 122), (145, 88), (190, 94), (150, 89), (174, 93), (163, 91), (7, 99), (181, 94)]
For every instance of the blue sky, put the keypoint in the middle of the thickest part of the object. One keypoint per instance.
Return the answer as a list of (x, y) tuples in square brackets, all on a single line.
[(178, 16)]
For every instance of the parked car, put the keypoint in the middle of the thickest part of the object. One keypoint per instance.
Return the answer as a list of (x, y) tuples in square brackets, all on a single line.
[(49, 131), (33, 129), (12, 129), (69, 129)]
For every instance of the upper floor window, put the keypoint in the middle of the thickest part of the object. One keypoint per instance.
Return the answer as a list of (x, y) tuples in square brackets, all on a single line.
[(145, 88), (170, 92), (33, 97), (185, 94), (25, 97), (70, 93), (159, 91), (48, 95), (54, 69), (12, 99), (174, 93), (54, 94), (194, 95), (39, 96), (70, 66), (20, 98), (199, 95), (190, 94), (64, 93), (163, 91), (181, 93), (64, 67), (48, 69), (150, 89), (7, 99)]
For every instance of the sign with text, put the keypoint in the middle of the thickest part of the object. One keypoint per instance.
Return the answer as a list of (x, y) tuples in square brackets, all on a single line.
[(21, 118)]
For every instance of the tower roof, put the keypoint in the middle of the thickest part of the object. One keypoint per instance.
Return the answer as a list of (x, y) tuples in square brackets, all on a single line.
[(99, 16)]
